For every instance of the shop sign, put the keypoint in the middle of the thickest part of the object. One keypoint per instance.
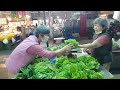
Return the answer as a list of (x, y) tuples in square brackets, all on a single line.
[(14, 24), (21, 13), (3, 21)]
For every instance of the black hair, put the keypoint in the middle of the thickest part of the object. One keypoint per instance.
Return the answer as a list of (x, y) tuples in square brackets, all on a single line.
[(113, 29)]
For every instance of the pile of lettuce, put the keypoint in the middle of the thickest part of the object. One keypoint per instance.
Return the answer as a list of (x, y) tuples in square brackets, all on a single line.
[(72, 42), (56, 47), (84, 67)]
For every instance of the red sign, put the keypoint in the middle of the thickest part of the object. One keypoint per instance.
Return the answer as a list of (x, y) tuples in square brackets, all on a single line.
[(21, 13), (83, 20)]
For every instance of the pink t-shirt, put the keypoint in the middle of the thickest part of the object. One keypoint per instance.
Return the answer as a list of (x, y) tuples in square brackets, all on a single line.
[(103, 39), (20, 57), (39, 50)]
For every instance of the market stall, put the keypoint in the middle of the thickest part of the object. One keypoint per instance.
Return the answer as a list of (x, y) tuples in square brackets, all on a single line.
[(74, 65), (7, 39), (78, 52), (8, 36), (11, 32), (63, 68)]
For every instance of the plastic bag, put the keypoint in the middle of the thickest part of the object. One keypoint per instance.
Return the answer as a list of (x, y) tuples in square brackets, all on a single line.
[(53, 60), (5, 41), (13, 40)]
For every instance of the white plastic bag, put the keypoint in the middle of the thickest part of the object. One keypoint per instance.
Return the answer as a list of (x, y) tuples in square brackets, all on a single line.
[(5, 41), (116, 15), (13, 40)]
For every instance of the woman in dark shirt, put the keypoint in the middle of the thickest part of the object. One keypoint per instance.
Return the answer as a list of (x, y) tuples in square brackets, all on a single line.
[(101, 47)]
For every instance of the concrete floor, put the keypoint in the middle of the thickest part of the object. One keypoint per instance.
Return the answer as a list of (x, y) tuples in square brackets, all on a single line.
[(4, 55)]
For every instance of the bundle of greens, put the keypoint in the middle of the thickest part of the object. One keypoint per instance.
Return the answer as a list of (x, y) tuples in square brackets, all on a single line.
[(56, 48), (64, 68), (73, 42), (78, 69), (28, 72)]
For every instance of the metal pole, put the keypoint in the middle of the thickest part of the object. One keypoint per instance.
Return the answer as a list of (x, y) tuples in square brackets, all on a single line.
[(47, 43), (38, 17), (49, 18), (44, 17)]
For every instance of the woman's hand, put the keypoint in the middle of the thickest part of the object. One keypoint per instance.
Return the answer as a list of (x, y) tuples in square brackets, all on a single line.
[(62, 51), (73, 47), (87, 50), (67, 48)]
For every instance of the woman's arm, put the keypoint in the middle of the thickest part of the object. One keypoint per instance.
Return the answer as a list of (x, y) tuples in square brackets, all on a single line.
[(63, 50), (39, 50), (102, 40), (94, 44)]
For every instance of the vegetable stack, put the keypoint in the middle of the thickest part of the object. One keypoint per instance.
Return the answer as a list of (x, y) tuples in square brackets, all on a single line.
[(73, 42), (84, 67)]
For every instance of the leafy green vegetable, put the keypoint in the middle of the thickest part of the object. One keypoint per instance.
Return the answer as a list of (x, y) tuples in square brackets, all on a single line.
[(73, 42), (56, 48), (64, 68)]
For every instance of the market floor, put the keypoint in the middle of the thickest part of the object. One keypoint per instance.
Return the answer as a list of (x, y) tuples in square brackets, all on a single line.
[(4, 54)]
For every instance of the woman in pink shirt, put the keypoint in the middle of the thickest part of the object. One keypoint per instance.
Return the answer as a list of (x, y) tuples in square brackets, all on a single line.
[(26, 51)]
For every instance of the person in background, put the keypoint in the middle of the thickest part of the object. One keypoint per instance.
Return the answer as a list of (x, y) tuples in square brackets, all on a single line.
[(23, 32), (67, 30), (101, 47), (32, 28), (27, 31), (27, 50), (36, 25)]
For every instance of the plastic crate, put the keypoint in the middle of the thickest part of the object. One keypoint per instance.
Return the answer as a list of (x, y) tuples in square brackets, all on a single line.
[(69, 37)]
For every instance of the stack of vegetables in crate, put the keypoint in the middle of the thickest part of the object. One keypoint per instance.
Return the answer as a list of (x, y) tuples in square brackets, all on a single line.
[(83, 67), (6, 40), (115, 44)]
